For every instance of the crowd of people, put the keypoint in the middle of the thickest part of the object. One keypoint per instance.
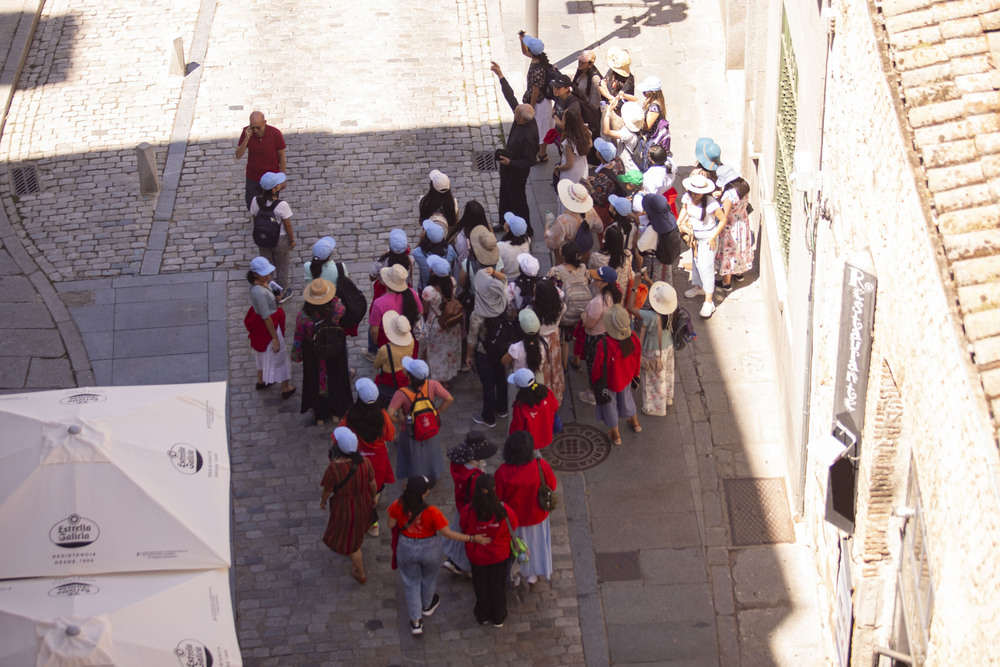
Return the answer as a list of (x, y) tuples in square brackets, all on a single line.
[(455, 292)]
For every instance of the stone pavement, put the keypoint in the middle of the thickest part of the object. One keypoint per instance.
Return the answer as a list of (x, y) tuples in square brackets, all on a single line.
[(110, 287)]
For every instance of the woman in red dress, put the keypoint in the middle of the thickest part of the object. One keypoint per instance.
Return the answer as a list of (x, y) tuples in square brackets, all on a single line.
[(349, 486), (371, 423)]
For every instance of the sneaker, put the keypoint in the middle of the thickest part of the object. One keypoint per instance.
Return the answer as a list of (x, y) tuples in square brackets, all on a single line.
[(429, 609), (373, 530), (285, 296), (416, 628), (533, 579), (452, 567), (498, 625), (479, 419), (707, 309), (693, 292), (720, 284), (502, 415), (464, 368), (739, 277), (587, 397)]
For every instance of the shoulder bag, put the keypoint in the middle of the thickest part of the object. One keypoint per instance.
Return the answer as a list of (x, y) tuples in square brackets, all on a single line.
[(546, 498)]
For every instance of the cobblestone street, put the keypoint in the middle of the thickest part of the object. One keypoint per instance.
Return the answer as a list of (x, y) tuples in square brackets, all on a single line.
[(371, 98)]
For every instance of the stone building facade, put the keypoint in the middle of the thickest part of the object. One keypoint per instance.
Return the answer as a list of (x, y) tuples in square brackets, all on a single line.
[(873, 135)]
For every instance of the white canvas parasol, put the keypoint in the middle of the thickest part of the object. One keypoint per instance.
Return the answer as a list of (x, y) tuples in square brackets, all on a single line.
[(153, 619), (114, 479)]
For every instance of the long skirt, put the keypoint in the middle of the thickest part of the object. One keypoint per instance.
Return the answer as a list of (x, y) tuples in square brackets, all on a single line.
[(621, 405), (538, 539), (455, 551), (418, 458), (274, 366), (658, 388), (553, 375)]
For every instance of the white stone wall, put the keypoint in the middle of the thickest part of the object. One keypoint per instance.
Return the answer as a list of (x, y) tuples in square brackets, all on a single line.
[(875, 201)]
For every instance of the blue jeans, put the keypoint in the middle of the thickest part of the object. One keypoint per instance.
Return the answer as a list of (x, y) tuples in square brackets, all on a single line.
[(494, 380), (418, 562)]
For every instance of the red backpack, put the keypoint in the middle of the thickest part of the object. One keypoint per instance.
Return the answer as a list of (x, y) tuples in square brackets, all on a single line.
[(423, 421)]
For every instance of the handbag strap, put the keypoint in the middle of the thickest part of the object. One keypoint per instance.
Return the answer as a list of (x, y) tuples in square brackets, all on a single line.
[(541, 475), (510, 529), (412, 519), (392, 366), (350, 474)]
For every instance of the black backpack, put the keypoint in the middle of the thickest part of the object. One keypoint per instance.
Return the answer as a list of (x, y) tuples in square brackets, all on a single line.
[(355, 303), (591, 115), (547, 90), (499, 333), (266, 228), (683, 329), (328, 340)]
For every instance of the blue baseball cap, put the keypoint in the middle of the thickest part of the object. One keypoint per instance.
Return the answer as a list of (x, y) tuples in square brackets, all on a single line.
[(517, 225), (397, 240), (367, 390), (438, 265), (346, 441), (271, 179), (522, 377), (621, 204), (605, 149), (534, 45), (434, 231), (418, 368)]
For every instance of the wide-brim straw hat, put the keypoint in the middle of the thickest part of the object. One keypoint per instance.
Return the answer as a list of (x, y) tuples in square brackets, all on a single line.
[(397, 328), (394, 277), (620, 61), (663, 298), (574, 196), (484, 245), (699, 184), (616, 322), (632, 116), (319, 291)]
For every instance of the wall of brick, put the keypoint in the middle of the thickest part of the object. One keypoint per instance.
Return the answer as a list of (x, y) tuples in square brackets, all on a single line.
[(940, 414)]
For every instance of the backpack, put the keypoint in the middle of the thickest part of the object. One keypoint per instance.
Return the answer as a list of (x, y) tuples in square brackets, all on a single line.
[(658, 136), (355, 303), (451, 314), (591, 115), (683, 329), (266, 228), (328, 340), (499, 333), (423, 421), (577, 297), (584, 238)]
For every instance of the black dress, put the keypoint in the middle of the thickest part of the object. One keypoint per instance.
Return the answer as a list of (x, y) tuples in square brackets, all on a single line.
[(316, 372)]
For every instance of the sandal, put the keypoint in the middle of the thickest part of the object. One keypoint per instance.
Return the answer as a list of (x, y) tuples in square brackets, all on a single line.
[(285, 395), (540, 159), (613, 441), (263, 385), (361, 579), (636, 428), (575, 365)]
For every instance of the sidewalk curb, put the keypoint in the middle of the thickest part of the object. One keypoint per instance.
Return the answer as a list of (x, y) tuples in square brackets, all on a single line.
[(12, 71)]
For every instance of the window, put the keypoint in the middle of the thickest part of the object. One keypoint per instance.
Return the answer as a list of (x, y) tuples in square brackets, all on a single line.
[(784, 152), (915, 584)]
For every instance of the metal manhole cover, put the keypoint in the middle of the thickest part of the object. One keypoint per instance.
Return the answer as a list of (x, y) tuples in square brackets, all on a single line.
[(484, 161), (758, 511), (578, 447), (25, 180), (618, 566)]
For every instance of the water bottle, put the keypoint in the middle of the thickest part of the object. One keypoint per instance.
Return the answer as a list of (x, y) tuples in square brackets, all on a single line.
[(549, 219), (276, 288)]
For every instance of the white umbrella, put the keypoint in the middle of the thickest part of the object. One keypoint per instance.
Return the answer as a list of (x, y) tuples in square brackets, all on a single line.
[(146, 618), (114, 479)]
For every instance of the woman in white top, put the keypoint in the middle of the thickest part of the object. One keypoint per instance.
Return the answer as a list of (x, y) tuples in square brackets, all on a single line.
[(627, 138), (272, 183), (576, 144), (701, 219), (514, 242)]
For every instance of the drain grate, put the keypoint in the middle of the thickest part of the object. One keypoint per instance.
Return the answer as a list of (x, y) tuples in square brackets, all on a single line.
[(618, 566), (484, 161), (758, 511), (25, 180), (578, 447)]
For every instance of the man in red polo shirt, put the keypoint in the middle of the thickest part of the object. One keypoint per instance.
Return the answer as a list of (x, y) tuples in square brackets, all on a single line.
[(266, 152)]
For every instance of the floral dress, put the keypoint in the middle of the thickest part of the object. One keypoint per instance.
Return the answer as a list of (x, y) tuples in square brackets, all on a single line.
[(443, 347), (538, 75), (735, 249)]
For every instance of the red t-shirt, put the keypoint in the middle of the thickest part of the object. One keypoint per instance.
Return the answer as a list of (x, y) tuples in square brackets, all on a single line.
[(496, 551), (518, 487), (538, 420), (429, 522), (464, 478), (262, 152), (376, 453), (621, 369)]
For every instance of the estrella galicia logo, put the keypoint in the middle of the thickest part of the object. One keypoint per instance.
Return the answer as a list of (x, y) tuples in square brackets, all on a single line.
[(74, 532), (186, 458), (83, 397), (192, 653), (74, 588)]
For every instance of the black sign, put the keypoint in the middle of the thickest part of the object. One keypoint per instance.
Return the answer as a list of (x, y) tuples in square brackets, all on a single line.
[(857, 318)]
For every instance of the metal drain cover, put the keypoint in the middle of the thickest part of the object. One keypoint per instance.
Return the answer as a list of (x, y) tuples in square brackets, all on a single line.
[(758, 511), (484, 161), (25, 180), (618, 566), (578, 447)]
